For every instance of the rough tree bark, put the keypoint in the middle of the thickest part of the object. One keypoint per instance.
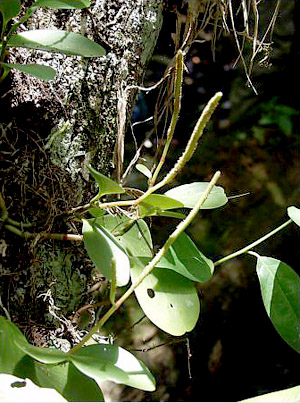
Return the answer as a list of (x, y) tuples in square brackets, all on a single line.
[(50, 131)]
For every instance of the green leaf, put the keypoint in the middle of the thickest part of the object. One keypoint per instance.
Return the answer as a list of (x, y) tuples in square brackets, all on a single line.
[(110, 362), (134, 236), (9, 9), (144, 170), (65, 42), (45, 73), (286, 395), (169, 300), (10, 353), (72, 384), (96, 212), (162, 202), (185, 258), (64, 378), (102, 247), (106, 185), (190, 194), (44, 355), (280, 288), (294, 214), (63, 4)]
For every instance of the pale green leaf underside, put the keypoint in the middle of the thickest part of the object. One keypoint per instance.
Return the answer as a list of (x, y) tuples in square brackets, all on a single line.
[(59, 41), (280, 288), (63, 4), (190, 194), (106, 185), (294, 214), (144, 170), (110, 362), (169, 300), (44, 355), (102, 247), (45, 73), (135, 237), (286, 395)]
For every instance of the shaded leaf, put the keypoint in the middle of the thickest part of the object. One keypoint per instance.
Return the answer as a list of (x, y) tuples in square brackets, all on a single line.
[(169, 300), (9, 352), (280, 288), (59, 41), (96, 212), (144, 170), (134, 236), (63, 4), (110, 362), (294, 214), (106, 185), (45, 73), (102, 247), (286, 395), (9, 9), (190, 194)]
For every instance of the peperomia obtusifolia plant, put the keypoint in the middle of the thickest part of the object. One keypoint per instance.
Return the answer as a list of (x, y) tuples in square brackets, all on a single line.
[(119, 244)]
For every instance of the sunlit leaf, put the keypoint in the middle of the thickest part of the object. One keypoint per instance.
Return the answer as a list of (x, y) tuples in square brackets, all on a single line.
[(280, 288), (190, 194), (286, 395), (144, 170), (63, 4), (13, 389), (44, 355), (110, 362), (9, 9), (294, 214), (45, 73), (162, 202), (169, 300), (134, 236), (186, 259), (59, 41), (102, 247), (106, 185)]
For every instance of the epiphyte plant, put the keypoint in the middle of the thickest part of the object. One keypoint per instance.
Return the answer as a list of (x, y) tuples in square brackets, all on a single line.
[(121, 248)]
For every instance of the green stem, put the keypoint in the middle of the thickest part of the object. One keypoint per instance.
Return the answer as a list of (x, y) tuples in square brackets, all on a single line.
[(177, 106), (151, 265), (257, 242)]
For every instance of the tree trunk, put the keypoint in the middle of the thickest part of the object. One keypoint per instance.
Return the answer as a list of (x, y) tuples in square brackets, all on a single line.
[(50, 132)]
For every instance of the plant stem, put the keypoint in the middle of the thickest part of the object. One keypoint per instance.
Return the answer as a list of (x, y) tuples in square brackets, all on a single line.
[(257, 242), (177, 106), (151, 265), (44, 235)]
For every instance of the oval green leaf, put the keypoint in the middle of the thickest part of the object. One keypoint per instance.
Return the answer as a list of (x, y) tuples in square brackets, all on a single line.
[(169, 300), (286, 395), (59, 41), (280, 288), (144, 170), (134, 236), (110, 362), (45, 73), (294, 214), (106, 185), (190, 194), (63, 4), (102, 247), (9, 9), (162, 202), (186, 259), (44, 355)]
